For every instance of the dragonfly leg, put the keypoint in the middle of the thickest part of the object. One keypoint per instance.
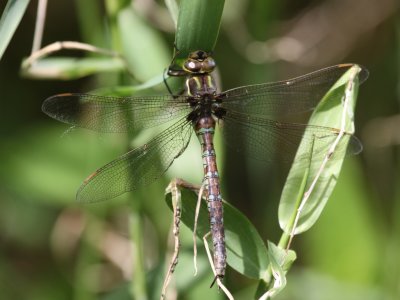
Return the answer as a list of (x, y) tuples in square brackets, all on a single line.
[(166, 72), (176, 198), (166, 83), (172, 71)]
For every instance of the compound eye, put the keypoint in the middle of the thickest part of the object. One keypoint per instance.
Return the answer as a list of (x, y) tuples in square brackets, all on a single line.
[(209, 65), (192, 66)]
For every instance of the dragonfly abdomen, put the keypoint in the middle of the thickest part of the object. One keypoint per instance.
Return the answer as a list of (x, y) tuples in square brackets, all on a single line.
[(205, 128)]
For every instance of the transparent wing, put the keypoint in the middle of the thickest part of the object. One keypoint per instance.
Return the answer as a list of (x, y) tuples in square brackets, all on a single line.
[(115, 114), (292, 96), (268, 140), (138, 167)]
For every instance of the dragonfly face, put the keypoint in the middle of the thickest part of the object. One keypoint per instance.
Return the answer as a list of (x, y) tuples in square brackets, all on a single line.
[(199, 62), (197, 68)]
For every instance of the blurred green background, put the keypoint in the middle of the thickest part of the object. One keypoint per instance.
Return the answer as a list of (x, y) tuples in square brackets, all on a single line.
[(53, 248)]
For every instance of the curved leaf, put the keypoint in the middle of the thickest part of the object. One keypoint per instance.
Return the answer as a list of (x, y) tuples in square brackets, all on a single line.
[(281, 261), (328, 113), (69, 68)]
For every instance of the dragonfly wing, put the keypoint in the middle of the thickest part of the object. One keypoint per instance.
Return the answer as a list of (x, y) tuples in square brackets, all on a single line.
[(269, 140), (293, 96), (114, 114), (138, 167)]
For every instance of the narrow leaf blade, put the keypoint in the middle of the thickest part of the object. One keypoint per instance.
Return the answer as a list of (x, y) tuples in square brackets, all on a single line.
[(10, 20)]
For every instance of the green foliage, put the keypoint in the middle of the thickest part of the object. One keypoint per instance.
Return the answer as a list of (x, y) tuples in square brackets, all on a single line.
[(138, 37), (281, 261), (10, 20), (328, 113), (68, 68), (198, 26)]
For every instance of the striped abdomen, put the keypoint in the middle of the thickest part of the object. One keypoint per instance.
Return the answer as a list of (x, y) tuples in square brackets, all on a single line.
[(205, 128)]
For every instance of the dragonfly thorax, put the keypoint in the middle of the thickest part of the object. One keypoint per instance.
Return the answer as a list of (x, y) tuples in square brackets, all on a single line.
[(205, 107), (203, 97), (200, 86)]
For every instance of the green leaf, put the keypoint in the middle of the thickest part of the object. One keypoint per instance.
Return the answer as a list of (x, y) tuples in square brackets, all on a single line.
[(9, 21), (246, 251), (328, 113), (68, 68), (143, 47), (280, 260), (197, 29), (198, 26)]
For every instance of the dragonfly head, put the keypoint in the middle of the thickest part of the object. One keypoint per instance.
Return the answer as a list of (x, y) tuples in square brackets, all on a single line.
[(199, 62)]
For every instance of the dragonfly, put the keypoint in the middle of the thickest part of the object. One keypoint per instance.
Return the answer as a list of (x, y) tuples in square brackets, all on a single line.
[(258, 111)]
